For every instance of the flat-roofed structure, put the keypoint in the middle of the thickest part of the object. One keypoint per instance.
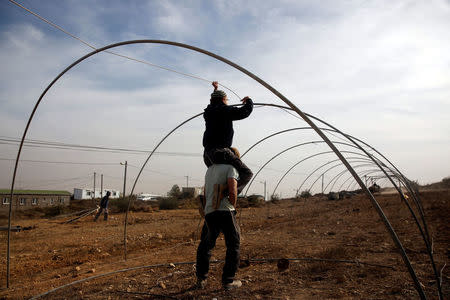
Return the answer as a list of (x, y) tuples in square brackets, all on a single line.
[(28, 199)]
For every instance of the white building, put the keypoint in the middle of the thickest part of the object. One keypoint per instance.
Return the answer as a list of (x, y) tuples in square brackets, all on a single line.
[(82, 194), (148, 197)]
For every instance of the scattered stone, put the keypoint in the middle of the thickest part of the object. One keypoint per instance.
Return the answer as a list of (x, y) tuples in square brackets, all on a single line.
[(91, 271), (317, 278), (58, 276), (159, 235), (77, 268), (282, 264), (162, 285), (172, 265), (244, 263)]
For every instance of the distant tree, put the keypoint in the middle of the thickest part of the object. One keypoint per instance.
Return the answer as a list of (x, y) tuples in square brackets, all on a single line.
[(275, 197), (174, 192), (305, 194)]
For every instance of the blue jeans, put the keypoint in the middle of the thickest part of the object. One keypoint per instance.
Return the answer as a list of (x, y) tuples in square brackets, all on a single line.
[(215, 223), (105, 216)]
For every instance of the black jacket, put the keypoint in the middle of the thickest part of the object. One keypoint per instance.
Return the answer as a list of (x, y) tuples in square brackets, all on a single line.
[(219, 119), (104, 201)]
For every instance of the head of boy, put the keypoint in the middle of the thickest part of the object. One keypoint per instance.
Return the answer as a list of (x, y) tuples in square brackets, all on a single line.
[(219, 96)]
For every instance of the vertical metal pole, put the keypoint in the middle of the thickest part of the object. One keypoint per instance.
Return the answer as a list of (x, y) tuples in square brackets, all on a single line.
[(94, 185), (8, 254), (265, 190), (126, 214), (101, 186), (187, 181), (322, 183)]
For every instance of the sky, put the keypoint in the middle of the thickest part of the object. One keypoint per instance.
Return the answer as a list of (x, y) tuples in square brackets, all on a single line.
[(377, 70)]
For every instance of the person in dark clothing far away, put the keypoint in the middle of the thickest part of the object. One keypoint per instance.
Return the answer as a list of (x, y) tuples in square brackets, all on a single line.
[(218, 135), (103, 207), (220, 216)]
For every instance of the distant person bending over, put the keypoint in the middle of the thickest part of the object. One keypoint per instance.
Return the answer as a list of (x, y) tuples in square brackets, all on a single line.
[(220, 216), (103, 206), (218, 135)]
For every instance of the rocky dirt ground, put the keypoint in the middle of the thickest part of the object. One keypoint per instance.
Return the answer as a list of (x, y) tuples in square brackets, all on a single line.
[(52, 254)]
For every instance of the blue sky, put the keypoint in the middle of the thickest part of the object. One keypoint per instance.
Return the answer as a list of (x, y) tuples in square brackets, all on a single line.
[(378, 70)]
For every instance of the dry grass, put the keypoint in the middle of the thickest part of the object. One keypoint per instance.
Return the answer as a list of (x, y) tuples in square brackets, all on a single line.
[(53, 254)]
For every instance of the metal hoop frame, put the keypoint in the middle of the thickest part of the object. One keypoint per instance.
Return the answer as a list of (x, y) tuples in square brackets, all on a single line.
[(293, 107)]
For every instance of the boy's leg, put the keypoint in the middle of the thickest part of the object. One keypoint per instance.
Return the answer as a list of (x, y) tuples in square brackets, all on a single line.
[(98, 214), (210, 232), (226, 156), (206, 158), (105, 216), (231, 231)]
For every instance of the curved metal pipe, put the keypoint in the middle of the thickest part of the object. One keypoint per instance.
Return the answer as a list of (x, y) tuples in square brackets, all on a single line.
[(282, 177), (278, 154), (363, 173), (270, 88), (352, 183), (318, 168), (336, 178), (285, 150), (410, 189), (416, 199), (332, 167), (361, 160), (274, 134)]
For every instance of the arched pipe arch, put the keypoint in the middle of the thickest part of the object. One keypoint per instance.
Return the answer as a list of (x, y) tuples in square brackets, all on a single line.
[(413, 193), (292, 167), (278, 154), (415, 196), (409, 187), (318, 168), (351, 185), (325, 188), (352, 159), (378, 162), (355, 141), (337, 177), (263, 83), (338, 165), (368, 172)]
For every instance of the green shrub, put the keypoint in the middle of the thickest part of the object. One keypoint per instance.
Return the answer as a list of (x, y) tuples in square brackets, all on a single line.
[(305, 194), (275, 198), (54, 211), (119, 205), (255, 200), (168, 203)]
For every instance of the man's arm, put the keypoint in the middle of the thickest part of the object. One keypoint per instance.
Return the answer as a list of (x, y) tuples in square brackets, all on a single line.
[(239, 113), (215, 84), (232, 191)]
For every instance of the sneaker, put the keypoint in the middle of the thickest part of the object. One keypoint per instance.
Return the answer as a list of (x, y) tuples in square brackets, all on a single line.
[(232, 285), (201, 283)]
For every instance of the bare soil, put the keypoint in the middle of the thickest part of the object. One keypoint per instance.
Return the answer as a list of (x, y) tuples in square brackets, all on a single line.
[(52, 254)]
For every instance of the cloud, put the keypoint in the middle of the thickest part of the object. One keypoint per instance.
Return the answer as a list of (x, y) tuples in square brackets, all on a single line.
[(378, 70)]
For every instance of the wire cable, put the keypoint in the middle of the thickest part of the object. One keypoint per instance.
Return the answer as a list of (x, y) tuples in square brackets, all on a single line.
[(89, 148), (115, 53)]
